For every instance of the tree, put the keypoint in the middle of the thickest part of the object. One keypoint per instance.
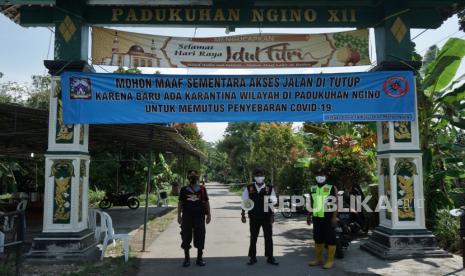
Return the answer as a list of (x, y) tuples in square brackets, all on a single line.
[(461, 16), (35, 95), (12, 92), (276, 146), (441, 113), (217, 164), (39, 95), (237, 145), (347, 150), (122, 70)]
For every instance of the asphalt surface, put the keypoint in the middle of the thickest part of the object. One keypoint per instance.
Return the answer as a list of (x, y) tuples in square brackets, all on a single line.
[(227, 244)]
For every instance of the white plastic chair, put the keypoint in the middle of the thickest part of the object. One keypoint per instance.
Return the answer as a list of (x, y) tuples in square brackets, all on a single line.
[(93, 218), (107, 224), (22, 207), (2, 241), (8, 225)]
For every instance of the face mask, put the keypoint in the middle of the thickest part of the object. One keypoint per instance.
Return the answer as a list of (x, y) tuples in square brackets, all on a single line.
[(193, 180), (259, 179), (320, 179)]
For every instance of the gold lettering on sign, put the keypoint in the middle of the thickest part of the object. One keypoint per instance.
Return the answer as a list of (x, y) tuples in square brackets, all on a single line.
[(174, 15), (333, 16), (296, 15), (353, 17), (204, 15), (160, 14), (272, 15), (342, 16), (146, 15), (310, 15), (233, 14), (283, 15), (131, 15), (219, 16), (257, 15), (190, 16), (116, 14)]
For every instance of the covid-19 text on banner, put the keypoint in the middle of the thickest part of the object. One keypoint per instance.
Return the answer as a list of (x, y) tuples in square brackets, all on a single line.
[(94, 98)]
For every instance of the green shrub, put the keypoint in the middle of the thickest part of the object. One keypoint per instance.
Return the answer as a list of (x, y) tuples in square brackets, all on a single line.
[(235, 188), (172, 200), (447, 231), (294, 181), (95, 197), (152, 199)]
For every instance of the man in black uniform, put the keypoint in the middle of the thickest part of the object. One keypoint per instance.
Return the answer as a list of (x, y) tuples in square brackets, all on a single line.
[(193, 206), (324, 219), (259, 215)]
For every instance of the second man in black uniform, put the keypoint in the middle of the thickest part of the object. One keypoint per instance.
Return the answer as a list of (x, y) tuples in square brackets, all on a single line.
[(260, 216)]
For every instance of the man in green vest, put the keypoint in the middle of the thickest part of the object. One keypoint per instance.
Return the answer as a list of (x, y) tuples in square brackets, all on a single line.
[(324, 218)]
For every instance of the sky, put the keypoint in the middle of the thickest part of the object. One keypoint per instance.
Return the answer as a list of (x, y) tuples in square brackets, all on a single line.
[(22, 51)]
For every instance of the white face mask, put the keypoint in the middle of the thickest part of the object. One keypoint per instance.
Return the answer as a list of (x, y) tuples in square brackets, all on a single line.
[(320, 179), (259, 179)]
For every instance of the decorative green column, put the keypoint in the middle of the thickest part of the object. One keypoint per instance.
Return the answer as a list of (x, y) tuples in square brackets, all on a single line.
[(401, 232), (65, 231)]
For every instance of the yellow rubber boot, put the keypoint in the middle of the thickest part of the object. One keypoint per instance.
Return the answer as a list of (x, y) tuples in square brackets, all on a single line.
[(318, 260), (330, 261)]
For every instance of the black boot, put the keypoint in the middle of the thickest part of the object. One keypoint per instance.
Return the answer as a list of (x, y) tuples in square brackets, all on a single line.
[(187, 258), (272, 261), (252, 261), (200, 261)]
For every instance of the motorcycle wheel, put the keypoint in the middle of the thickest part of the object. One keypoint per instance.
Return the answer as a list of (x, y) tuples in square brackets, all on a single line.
[(104, 204), (286, 214), (133, 203), (339, 249)]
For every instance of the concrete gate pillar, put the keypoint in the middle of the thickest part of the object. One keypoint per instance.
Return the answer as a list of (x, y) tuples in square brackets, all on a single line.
[(65, 233), (401, 232)]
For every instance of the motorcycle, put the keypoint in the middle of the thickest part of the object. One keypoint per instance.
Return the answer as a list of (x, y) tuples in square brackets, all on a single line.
[(119, 199), (349, 224), (288, 212)]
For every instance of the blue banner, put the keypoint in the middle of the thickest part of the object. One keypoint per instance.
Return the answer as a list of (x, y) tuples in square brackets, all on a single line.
[(94, 98)]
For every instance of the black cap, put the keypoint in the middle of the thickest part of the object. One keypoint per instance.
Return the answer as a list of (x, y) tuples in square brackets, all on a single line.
[(317, 167), (192, 172), (259, 171)]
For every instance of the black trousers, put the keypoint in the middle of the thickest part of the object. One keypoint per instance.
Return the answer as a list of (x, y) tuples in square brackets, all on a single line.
[(255, 224), (323, 231), (193, 224)]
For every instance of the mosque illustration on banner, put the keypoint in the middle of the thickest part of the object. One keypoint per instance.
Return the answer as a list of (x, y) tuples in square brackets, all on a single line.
[(134, 57)]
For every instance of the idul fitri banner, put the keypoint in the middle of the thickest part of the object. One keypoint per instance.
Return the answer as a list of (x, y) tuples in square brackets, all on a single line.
[(95, 98), (127, 49)]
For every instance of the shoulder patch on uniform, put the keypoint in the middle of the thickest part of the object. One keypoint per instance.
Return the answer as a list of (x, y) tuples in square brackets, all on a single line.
[(251, 189)]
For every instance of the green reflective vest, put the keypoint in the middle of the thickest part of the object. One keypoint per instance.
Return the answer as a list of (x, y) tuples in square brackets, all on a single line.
[(319, 196)]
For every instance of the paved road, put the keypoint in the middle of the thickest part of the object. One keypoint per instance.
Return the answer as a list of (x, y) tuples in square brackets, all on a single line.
[(227, 245)]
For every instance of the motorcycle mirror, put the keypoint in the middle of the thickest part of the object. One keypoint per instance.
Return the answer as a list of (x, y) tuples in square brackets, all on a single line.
[(457, 212)]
